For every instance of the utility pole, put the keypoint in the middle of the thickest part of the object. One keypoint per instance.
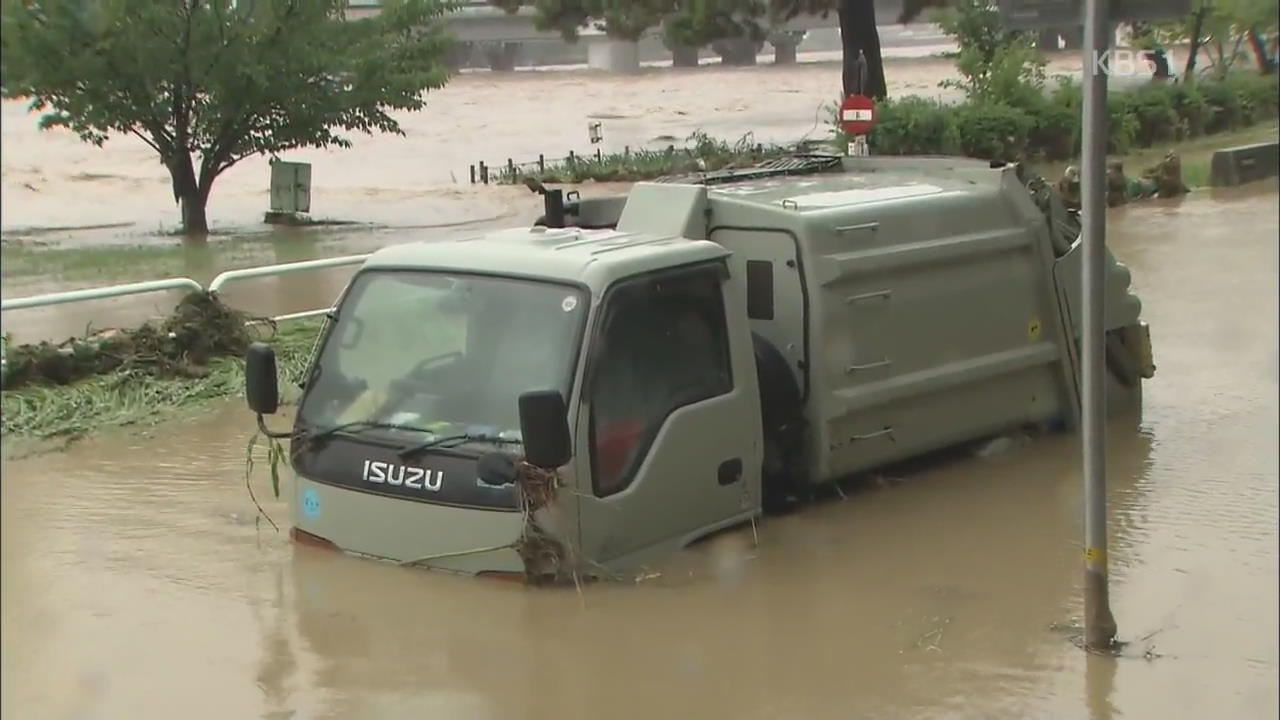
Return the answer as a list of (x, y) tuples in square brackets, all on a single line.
[(1099, 624)]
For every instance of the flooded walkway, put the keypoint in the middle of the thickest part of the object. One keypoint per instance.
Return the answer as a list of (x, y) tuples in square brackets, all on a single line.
[(136, 585)]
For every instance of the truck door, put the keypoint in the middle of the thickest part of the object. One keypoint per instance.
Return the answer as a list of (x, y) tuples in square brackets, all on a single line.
[(775, 290), (671, 415)]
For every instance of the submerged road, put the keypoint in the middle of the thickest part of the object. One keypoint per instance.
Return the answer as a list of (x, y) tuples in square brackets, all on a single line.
[(136, 585)]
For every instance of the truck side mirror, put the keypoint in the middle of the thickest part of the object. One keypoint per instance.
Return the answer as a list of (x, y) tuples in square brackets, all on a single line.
[(260, 382), (544, 427)]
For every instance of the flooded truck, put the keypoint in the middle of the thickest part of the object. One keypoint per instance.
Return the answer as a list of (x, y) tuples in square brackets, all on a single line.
[(685, 358)]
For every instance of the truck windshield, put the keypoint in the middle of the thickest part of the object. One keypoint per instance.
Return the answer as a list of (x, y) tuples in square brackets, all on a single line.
[(445, 354)]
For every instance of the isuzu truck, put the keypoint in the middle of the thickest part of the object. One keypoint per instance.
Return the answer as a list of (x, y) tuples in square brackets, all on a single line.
[(687, 356)]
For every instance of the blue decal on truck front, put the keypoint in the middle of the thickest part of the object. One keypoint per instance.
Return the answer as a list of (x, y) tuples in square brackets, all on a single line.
[(311, 503)]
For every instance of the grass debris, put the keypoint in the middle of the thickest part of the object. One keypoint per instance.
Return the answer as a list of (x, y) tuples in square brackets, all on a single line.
[(200, 329), (122, 377)]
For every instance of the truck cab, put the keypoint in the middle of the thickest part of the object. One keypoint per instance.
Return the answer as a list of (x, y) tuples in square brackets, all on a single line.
[(704, 351), (431, 347)]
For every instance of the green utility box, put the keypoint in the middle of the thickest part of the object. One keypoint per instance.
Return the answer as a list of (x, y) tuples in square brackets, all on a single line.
[(290, 187)]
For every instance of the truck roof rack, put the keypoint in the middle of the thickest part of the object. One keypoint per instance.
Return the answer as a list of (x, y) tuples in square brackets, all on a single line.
[(795, 164)]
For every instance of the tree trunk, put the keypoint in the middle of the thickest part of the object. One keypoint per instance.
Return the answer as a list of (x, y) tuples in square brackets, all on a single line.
[(858, 33), (190, 196), (194, 222), (1197, 27), (1265, 65)]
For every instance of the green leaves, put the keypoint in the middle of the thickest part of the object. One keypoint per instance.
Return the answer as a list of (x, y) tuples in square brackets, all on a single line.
[(221, 79), (620, 19), (696, 23), (995, 65)]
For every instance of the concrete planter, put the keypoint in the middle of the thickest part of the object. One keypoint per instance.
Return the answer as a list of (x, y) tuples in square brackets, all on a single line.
[(615, 56), (737, 51), (683, 56)]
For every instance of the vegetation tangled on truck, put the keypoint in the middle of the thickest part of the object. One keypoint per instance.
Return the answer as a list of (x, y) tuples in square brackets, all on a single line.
[(546, 560)]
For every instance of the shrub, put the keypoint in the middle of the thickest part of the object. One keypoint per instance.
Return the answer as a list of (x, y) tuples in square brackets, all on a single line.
[(1122, 125), (1152, 109), (914, 126), (1257, 95), (1049, 126), (995, 65), (993, 131), (1224, 106), (1191, 108), (1055, 129)]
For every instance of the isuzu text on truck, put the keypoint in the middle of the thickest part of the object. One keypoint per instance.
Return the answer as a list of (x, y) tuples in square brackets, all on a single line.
[(681, 358)]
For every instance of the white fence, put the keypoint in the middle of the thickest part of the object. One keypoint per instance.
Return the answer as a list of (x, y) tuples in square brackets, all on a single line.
[(151, 286)]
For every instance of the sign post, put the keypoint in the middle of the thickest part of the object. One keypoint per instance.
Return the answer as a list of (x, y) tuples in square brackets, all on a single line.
[(857, 117), (1099, 624), (1097, 17)]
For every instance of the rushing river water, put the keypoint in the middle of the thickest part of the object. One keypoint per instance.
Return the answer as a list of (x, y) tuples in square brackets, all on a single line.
[(136, 583)]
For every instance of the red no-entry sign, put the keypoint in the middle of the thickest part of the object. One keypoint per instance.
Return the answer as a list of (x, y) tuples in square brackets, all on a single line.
[(857, 115)]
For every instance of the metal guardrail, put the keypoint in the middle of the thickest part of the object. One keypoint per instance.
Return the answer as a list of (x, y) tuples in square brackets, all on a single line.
[(267, 270), (71, 296), (150, 286)]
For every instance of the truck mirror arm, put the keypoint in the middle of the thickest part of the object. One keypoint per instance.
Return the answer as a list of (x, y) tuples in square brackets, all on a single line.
[(276, 434)]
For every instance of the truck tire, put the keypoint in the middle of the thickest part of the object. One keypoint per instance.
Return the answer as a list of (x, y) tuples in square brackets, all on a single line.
[(782, 416)]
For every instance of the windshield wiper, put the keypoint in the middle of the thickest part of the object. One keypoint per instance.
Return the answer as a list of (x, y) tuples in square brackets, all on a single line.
[(357, 425), (461, 438)]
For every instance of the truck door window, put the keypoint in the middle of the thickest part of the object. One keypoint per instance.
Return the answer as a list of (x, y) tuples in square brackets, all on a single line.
[(664, 346), (759, 290)]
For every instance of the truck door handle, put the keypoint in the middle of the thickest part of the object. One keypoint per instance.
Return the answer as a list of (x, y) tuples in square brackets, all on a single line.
[(730, 471)]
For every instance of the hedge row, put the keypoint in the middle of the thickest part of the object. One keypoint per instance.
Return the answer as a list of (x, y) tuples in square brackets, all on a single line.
[(1050, 128)]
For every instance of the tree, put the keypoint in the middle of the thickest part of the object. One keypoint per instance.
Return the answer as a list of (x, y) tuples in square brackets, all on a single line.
[(860, 38), (628, 19), (995, 64), (735, 28), (1219, 28), (220, 79)]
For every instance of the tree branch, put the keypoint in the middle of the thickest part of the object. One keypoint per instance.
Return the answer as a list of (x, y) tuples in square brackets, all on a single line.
[(206, 180), (230, 130), (146, 140)]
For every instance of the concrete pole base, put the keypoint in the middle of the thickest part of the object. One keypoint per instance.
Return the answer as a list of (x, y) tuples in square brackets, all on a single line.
[(615, 56), (737, 51), (683, 56), (786, 45), (502, 56), (1099, 624)]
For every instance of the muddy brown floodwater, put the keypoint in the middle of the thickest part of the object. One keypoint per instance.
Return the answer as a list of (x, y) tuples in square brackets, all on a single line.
[(136, 585), (421, 179)]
